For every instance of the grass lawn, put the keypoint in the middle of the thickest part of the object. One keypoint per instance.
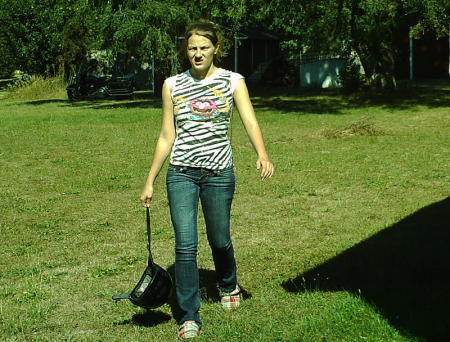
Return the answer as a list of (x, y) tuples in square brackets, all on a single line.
[(348, 242)]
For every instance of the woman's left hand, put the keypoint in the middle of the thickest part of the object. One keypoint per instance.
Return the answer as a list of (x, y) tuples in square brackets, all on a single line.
[(266, 168)]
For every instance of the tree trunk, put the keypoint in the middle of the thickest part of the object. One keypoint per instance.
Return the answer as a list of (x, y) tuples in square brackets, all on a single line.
[(378, 63)]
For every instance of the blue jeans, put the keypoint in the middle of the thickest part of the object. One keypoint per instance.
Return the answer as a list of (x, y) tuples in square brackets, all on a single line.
[(215, 189)]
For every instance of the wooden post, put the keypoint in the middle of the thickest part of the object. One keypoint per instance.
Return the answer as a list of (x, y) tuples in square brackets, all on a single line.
[(153, 74), (252, 48), (236, 41), (236, 50), (411, 55)]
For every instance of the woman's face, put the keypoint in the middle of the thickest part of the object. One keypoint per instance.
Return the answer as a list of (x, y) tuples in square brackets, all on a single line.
[(200, 52)]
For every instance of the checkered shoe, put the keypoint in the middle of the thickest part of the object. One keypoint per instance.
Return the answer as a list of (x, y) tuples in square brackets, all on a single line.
[(188, 329), (231, 300)]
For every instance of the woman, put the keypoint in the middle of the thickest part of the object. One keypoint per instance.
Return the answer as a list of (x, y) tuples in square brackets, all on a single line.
[(200, 102)]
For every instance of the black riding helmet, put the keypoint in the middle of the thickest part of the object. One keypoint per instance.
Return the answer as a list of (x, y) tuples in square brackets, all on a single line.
[(155, 285)]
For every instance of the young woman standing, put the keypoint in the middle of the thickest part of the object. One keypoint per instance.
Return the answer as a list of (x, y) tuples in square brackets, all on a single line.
[(197, 107)]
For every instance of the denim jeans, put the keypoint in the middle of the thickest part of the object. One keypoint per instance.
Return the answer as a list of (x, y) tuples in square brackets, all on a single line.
[(215, 189)]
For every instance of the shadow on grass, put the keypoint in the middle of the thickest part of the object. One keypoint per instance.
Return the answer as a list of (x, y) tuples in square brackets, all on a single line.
[(147, 319), (429, 94), (141, 99), (208, 290), (44, 102), (208, 293), (402, 271), (432, 94), (146, 103)]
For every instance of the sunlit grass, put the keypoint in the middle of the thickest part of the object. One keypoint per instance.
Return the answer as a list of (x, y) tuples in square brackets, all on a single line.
[(73, 232)]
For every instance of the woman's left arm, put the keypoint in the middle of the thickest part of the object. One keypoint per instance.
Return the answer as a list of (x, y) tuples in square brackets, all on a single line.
[(248, 117)]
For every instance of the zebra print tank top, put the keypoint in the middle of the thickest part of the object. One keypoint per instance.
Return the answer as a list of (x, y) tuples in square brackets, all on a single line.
[(202, 110)]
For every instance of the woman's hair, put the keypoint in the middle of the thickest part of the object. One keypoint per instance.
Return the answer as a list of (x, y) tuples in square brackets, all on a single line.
[(207, 29)]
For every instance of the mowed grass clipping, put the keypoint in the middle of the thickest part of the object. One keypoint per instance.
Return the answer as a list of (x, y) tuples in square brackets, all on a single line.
[(73, 232)]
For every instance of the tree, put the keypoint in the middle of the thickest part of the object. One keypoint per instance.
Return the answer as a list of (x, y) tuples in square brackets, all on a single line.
[(51, 36), (145, 28), (142, 29), (6, 56), (54, 36), (364, 28), (44, 36)]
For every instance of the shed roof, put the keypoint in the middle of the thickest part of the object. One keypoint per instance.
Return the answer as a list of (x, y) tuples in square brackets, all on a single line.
[(259, 34)]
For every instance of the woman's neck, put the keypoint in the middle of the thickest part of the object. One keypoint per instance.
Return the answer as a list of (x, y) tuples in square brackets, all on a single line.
[(201, 75)]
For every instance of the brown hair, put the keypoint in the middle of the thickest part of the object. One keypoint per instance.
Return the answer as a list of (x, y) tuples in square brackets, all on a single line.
[(207, 29)]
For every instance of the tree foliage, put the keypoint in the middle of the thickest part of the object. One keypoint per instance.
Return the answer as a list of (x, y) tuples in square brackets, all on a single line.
[(355, 26), (52, 36), (37, 35), (142, 29)]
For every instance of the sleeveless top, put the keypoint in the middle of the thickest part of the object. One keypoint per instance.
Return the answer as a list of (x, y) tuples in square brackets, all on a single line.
[(202, 111)]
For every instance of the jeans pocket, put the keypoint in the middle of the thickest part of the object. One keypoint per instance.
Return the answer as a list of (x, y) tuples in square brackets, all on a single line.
[(228, 172), (174, 174), (173, 168)]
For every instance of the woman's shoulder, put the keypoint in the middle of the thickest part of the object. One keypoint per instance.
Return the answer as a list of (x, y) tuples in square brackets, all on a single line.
[(172, 80), (174, 77), (231, 74), (234, 78)]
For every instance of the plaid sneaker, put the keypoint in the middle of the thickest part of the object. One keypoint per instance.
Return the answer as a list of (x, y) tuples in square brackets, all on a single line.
[(231, 300), (188, 329)]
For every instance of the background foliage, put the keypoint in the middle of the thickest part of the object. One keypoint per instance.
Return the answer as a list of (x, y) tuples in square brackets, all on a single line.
[(52, 36)]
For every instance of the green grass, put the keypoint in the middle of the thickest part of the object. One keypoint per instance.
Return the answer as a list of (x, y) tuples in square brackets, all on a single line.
[(313, 243)]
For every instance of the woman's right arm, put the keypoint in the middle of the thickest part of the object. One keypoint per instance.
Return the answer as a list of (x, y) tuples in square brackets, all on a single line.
[(163, 146)]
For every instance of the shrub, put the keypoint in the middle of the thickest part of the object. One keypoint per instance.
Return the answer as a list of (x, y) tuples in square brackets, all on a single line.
[(351, 77), (26, 87)]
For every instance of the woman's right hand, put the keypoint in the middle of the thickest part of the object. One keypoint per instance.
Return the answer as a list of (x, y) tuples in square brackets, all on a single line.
[(146, 196)]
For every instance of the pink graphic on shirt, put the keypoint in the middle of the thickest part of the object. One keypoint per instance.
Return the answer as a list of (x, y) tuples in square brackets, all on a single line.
[(203, 107)]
